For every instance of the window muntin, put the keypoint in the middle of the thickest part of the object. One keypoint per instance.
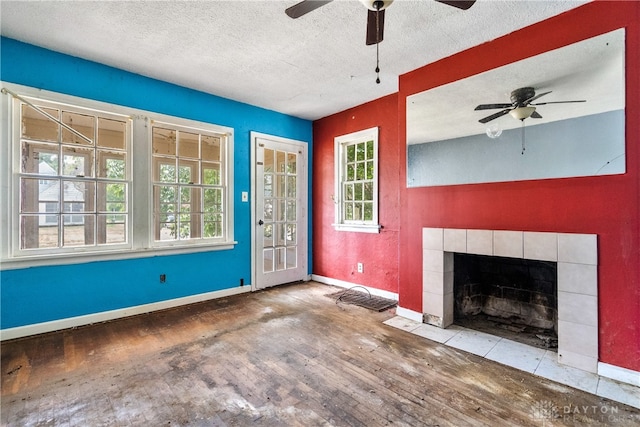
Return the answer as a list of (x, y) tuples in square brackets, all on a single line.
[(73, 187), (189, 184), (356, 176)]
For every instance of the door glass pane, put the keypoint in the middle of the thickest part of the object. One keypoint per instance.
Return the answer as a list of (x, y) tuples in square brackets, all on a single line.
[(291, 234), (291, 186), (269, 159), (281, 162), (267, 260), (292, 163), (281, 210), (268, 209), (280, 259), (292, 261), (268, 185), (280, 185), (268, 235), (291, 210), (280, 234)]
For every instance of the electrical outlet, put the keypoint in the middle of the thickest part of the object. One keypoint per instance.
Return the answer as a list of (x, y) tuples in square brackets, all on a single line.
[(163, 278), (360, 268)]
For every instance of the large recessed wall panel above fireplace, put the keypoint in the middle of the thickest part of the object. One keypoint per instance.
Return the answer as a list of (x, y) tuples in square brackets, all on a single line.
[(576, 256)]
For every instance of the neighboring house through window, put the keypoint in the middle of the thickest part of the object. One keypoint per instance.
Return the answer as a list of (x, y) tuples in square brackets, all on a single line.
[(356, 181)]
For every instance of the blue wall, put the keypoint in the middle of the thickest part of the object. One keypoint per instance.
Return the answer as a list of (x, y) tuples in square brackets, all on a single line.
[(40, 294)]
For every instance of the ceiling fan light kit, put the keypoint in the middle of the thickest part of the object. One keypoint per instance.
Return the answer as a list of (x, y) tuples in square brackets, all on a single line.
[(522, 113)]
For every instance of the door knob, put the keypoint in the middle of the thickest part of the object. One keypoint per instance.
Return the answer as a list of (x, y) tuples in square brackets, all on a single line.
[(260, 222)]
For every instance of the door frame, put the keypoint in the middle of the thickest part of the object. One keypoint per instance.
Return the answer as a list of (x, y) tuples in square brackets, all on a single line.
[(254, 136)]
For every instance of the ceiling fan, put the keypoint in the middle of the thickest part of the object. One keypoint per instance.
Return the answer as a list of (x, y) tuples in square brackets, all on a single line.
[(521, 106), (375, 17)]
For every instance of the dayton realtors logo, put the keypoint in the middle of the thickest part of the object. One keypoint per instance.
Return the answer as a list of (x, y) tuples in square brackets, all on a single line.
[(545, 410)]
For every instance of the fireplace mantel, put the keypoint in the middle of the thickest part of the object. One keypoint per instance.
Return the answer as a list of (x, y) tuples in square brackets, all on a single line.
[(576, 256)]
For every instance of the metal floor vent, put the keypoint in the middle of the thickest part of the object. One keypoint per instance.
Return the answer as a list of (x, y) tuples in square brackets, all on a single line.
[(362, 299)]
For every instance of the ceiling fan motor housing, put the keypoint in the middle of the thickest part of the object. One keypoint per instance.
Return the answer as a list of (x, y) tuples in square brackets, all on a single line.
[(519, 96), (372, 4)]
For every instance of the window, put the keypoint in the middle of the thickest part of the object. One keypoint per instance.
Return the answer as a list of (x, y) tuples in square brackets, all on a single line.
[(73, 179), (356, 181), (188, 184), (75, 188)]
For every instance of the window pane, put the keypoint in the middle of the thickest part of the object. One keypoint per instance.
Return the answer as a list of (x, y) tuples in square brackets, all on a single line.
[(77, 161), (368, 211), (116, 228), (82, 123), (212, 200), (188, 172), (112, 197), (357, 191), (35, 193), (360, 151), (357, 211), (184, 226), (164, 142), (112, 134), (77, 230), (370, 169), (351, 172), (360, 171), (211, 174), (112, 164), (348, 211), (210, 148), (78, 196), (351, 153), (38, 126), (368, 191), (369, 150), (165, 172), (39, 158), (348, 191), (188, 145), (38, 231), (168, 227)]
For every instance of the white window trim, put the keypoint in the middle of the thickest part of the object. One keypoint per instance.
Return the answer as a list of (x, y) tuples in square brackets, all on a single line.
[(140, 242), (339, 143)]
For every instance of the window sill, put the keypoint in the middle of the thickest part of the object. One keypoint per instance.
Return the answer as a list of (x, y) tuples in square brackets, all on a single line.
[(114, 255), (358, 228)]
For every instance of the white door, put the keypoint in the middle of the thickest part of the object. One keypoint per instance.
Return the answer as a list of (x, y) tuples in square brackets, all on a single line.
[(279, 210)]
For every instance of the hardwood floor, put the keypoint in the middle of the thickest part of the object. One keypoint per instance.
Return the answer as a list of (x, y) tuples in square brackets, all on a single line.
[(288, 356)]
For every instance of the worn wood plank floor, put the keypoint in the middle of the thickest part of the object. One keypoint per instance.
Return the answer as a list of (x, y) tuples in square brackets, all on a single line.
[(288, 356)]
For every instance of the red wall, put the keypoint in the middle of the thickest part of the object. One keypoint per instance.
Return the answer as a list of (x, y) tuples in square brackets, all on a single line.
[(608, 206), (336, 253)]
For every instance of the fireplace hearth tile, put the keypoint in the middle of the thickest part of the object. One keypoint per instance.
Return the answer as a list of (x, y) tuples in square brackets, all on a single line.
[(550, 368), (402, 323), (620, 392), (437, 334), (474, 342), (517, 355)]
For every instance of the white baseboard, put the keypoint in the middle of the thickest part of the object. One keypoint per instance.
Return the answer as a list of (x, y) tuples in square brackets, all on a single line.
[(409, 314), (617, 373), (344, 284), (72, 322)]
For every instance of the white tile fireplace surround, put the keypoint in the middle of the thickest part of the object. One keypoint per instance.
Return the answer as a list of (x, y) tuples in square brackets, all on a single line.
[(576, 256)]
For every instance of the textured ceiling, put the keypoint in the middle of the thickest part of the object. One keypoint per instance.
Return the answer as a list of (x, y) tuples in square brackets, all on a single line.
[(250, 51)]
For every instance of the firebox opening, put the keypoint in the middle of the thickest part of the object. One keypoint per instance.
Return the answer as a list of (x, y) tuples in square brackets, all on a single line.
[(508, 297)]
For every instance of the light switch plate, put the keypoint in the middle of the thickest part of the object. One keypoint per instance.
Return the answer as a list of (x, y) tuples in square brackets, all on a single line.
[(245, 196)]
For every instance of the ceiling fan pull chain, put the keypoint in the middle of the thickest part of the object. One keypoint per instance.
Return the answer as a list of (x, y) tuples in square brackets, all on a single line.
[(522, 137), (378, 44), (377, 64)]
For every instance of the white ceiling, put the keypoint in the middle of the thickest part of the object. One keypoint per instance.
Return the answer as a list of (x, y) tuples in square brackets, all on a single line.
[(250, 51)]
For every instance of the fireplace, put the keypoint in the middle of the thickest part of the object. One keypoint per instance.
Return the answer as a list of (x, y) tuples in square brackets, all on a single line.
[(576, 259), (510, 297)]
